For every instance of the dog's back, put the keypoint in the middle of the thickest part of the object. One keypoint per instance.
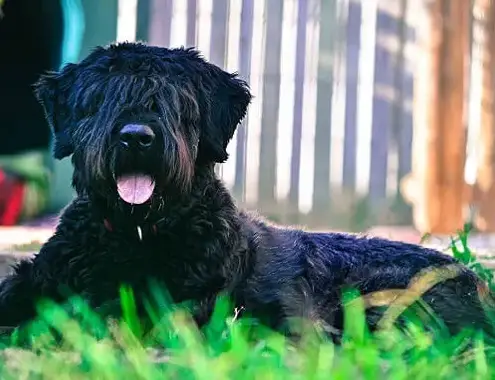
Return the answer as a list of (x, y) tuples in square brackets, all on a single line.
[(305, 273)]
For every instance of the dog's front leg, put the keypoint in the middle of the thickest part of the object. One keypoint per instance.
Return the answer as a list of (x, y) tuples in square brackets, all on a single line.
[(203, 311), (18, 296)]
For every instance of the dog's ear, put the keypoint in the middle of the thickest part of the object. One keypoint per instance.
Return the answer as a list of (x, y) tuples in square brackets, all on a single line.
[(227, 103), (52, 90)]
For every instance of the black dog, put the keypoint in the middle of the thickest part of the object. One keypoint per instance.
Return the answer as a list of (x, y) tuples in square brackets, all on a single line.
[(145, 127)]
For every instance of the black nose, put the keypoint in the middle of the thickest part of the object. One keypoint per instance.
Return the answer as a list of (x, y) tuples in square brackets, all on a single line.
[(136, 136)]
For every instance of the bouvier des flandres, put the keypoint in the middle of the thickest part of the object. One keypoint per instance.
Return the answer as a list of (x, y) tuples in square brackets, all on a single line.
[(145, 126)]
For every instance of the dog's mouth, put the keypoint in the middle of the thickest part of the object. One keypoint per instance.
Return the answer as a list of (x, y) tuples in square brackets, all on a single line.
[(135, 189)]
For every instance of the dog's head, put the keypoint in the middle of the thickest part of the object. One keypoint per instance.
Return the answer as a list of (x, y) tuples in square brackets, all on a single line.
[(139, 120)]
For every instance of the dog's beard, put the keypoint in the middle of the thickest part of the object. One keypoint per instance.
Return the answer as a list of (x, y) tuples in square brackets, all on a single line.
[(134, 186), (152, 178), (135, 177), (136, 181)]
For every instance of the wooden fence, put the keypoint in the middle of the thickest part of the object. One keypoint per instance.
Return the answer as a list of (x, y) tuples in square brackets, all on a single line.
[(328, 138)]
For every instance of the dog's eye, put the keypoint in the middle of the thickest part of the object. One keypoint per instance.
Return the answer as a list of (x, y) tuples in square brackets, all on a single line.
[(89, 108), (82, 113)]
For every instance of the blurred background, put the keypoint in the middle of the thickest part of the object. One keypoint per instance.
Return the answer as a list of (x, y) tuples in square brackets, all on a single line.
[(367, 114)]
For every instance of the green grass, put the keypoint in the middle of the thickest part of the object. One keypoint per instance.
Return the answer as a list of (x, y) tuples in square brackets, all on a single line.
[(230, 348)]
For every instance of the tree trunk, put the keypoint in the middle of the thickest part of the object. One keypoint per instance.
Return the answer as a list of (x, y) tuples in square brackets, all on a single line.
[(484, 191), (439, 130)]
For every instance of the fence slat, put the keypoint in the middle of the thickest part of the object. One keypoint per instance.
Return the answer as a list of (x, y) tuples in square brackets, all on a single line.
[(404, 84), (271, 101), (219, 28), (218, 39), (143, 20), (295, 164), (245, 49), (159, 31), (192, 11), (329, 25), (351, 95), (383, 106)]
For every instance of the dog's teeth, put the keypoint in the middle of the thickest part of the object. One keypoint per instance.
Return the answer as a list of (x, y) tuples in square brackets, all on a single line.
[(140, 233)]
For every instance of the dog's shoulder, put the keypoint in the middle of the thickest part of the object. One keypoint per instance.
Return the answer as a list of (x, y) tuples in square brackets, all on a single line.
[(280, 251), (76, 227), (78, 215)]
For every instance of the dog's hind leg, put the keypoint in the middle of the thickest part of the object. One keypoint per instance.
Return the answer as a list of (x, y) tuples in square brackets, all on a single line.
[(459, 304), (455, 304)]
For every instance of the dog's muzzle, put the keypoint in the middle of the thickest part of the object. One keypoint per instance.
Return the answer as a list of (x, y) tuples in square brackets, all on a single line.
[(136, 187)]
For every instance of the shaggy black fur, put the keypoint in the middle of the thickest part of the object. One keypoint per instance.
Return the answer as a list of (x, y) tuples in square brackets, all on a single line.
[(195, 241)]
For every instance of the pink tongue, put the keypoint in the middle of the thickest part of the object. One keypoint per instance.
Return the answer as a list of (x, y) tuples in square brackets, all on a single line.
[(135, 189)]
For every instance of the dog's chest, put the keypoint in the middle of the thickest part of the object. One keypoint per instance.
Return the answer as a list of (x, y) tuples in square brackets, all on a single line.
[(179, 265)]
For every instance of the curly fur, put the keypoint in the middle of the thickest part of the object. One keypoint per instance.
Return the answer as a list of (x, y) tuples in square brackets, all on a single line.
[(195, 240)]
